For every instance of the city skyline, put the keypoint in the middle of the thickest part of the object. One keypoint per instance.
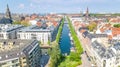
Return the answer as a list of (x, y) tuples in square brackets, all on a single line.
[(59, 33), (60, 6)]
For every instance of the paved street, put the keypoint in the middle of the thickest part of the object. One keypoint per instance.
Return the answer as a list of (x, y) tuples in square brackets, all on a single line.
[(85, 59), (44, 60)]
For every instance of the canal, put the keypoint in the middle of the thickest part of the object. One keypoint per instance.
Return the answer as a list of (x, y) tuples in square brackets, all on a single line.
[(65, 43)]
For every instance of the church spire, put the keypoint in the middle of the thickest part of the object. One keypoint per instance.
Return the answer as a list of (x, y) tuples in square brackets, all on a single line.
[(87, 12), (8, 14)]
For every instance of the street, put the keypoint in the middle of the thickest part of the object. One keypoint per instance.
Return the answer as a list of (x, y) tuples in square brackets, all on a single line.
[(44, 60), (85, 61), (84, 57)]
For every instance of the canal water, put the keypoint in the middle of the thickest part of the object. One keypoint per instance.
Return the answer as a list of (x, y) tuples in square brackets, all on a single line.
[(65, 43)]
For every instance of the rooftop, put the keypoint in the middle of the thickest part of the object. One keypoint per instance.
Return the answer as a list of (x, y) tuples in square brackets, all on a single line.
[(5, 21), (35, 28), (90, 36), (7, 28), (12, 48), (104, 41), (102, 51)]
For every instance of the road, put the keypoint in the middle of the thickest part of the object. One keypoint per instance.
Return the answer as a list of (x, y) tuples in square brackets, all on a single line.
[(44, 60), (85, 59)]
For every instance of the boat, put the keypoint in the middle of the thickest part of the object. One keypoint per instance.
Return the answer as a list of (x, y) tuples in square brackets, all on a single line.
[(72, 49), (71, 42), (69, 34), (71, 38)]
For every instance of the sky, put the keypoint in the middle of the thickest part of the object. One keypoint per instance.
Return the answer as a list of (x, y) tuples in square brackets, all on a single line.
[(60, 6)]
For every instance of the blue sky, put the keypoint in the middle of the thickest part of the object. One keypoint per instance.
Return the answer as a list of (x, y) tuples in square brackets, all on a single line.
[(59, 6)]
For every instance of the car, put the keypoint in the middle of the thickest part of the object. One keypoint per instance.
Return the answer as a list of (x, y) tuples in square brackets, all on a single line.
[(92, 65), (89, 59)]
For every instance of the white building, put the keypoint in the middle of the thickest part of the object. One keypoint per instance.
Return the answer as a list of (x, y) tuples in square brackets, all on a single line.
[(43, 34), (9, 31), (80, 19), (33, 22), (106, 56)]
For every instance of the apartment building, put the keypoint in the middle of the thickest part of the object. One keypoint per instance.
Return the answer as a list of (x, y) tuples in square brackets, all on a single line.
[(8, 31), (106, 53), (40, 33), (19, 53)]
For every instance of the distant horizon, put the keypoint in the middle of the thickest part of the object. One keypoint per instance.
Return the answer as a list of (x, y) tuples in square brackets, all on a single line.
[(67, 13), (60, 6)]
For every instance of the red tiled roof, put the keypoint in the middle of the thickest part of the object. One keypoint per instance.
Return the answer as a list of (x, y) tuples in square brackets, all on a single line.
[(55, 23), (82, 31), (114, 20), (115, 31), (105, 27)]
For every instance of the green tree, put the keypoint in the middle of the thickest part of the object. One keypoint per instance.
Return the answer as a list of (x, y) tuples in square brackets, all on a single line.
[(74, 56), (17, 22), (25, 23), (55, 54), (48, 42), (92, 26), (117, 25), (73, 59)]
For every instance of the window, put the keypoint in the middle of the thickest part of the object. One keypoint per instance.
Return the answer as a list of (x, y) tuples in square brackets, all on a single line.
[(14, 61), (1, 35), (23, 57), (3, 64), (18, 35), (104, 63), (34, 35)]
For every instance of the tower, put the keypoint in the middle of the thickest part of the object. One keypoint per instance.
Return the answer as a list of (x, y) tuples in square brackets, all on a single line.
[(8, 14), (87, 13)]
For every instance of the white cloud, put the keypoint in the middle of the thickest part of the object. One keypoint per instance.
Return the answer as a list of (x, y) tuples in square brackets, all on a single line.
[(21, 6)]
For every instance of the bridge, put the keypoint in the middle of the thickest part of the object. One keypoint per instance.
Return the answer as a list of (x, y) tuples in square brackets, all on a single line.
[(66, 22)]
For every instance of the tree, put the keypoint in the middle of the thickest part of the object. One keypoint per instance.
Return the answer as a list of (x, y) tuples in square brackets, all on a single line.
[(56, 56), (25, 23), (74, 56), (48, 42), (17, 22), (117, 25), (92, 26)]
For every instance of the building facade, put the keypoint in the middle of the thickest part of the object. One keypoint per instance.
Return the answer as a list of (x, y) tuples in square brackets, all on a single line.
[(19, 53), (106, 56), (35, 32), (9, 31)]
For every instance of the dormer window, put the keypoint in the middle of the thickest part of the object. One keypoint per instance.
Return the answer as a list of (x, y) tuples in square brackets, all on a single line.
[(4, 43)]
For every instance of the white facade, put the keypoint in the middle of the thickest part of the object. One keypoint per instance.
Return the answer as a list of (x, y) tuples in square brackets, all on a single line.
[(9, 31), (106, 57), (76, 19), (33, 22), (38, 33), (43, 37)]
